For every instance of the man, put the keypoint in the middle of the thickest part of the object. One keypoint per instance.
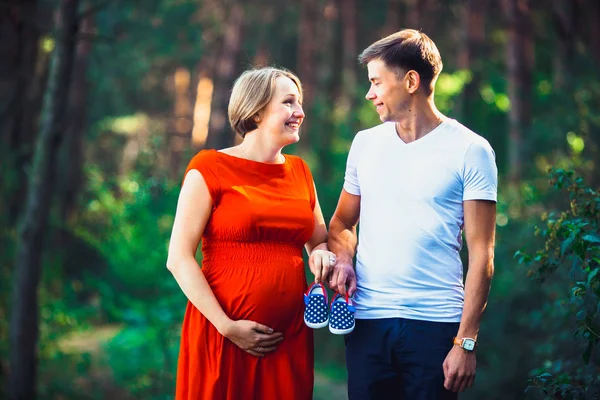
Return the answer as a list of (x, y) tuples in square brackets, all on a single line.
[(416, 181)]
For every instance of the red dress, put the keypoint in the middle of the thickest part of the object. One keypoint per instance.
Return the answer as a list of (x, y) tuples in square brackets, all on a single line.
[(252, 259)]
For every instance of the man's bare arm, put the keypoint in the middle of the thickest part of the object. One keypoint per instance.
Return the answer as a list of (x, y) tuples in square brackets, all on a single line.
[(319, 256), (342, 241), (480, 222)]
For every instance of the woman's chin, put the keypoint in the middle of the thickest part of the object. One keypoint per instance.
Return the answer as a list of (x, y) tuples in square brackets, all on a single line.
[(292, 138)]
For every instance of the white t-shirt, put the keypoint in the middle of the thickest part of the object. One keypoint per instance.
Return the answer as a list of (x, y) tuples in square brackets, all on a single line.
[(411, 218)]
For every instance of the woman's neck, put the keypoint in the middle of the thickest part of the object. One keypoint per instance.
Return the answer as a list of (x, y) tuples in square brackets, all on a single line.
[(253, 150)]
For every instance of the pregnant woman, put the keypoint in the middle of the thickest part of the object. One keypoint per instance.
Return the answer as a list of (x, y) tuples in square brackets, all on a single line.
[(254, 208)]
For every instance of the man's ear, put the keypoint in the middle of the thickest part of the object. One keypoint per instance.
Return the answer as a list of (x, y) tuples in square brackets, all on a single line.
[(412, 80)]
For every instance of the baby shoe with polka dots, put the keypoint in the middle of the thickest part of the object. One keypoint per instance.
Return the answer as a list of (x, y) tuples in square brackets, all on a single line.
[(315, 311), (341, 316)]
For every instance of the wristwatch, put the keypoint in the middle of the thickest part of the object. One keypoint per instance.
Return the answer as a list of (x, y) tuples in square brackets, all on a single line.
[(468, 344)]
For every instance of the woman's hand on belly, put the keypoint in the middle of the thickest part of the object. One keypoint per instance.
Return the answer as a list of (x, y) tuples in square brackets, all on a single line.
[(252, 337)]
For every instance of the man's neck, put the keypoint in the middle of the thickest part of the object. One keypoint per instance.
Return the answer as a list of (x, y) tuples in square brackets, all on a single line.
[(419, 122)]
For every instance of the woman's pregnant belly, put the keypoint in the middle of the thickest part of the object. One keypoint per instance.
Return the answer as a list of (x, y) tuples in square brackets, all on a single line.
[(270, 293)]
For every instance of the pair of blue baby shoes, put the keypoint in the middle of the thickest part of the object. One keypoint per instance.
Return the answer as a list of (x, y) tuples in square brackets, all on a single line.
[(317, 314)]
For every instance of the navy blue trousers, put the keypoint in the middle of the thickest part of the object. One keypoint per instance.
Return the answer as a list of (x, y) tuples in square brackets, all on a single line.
[(399, 359)]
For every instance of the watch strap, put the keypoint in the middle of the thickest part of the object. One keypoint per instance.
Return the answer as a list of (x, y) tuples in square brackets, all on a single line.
[(459, 341)]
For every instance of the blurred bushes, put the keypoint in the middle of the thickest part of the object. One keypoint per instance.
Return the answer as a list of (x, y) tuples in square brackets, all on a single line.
[(571, 251)]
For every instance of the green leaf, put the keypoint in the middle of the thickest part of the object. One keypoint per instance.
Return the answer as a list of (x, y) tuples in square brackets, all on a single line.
[(566, 245), (591, 238), (592, 275), (580, 249), (592, 325)]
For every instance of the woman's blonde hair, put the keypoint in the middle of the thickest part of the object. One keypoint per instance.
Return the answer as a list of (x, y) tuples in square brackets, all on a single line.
[(251, 93)]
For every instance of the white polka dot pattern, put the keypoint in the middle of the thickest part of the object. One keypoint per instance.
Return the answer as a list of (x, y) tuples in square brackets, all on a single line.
[(341, 318), (316, 312)]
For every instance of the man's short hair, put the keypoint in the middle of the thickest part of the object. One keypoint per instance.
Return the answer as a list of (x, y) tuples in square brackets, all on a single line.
[(251, 93), (407, 50)]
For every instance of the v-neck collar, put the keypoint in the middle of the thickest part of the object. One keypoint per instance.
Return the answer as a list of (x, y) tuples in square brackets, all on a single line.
[(422, 139)]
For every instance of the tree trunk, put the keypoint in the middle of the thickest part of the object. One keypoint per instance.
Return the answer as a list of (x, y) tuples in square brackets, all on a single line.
[(564, 23), (519, 66), (393, 20), (71, 153), (219, 136), (414, 16), (349, 45), (329, 82), (204, 74), (472, 54), (594, 10), (18, 55), (181, 124), (266, 19), (203, 92), (24, 316), (307, 52)]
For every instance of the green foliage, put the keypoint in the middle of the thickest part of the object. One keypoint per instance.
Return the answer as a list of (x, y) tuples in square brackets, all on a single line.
[(143, 356), (548, 386), (110, 311), (63, 376), (128, 220), (448, 87), (571, 245), (130, 64)]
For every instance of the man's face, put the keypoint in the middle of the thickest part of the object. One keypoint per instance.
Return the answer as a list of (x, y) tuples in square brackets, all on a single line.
[(387, 92)]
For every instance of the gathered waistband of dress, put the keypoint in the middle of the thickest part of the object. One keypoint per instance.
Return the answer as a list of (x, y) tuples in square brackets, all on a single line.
[(219, 251)]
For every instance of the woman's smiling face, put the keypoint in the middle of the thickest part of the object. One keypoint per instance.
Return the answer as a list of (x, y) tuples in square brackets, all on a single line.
[(282, 116)]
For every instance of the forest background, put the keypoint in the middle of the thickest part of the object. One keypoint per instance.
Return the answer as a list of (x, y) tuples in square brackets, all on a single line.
[(103, 102)]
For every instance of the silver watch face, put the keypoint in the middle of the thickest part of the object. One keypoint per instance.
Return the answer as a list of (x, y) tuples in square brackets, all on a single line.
[(468, 344)]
